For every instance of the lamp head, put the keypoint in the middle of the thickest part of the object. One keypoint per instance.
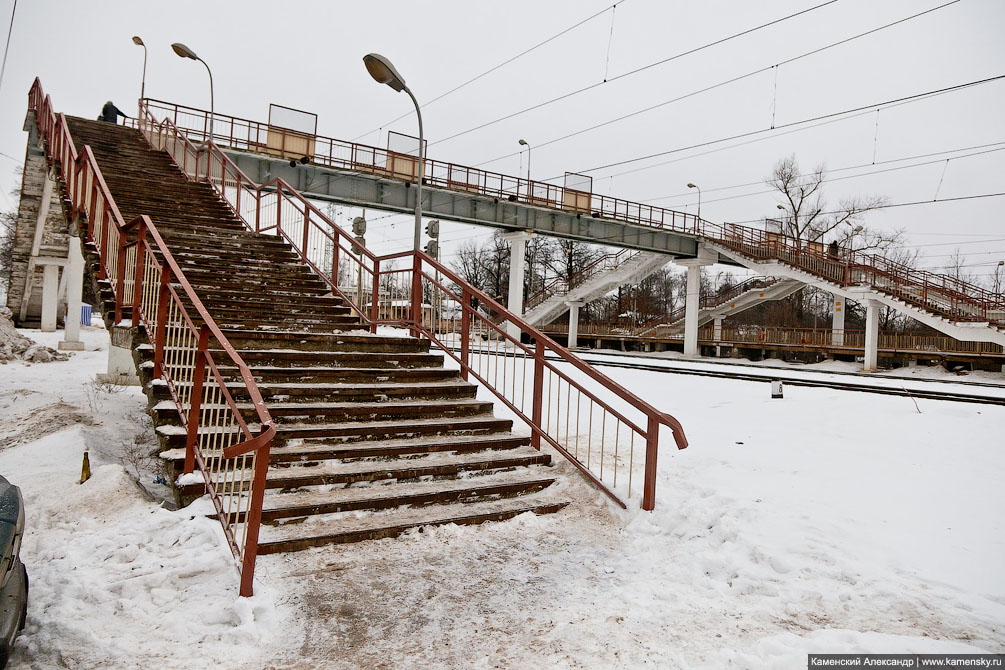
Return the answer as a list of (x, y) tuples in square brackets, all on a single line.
[(137, 41), (383, 72), (524, 143), (858, 229), (780, 207), (184, 51), (691, 186)]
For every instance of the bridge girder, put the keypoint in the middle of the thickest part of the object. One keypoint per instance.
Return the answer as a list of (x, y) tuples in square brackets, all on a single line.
[(357, 189)]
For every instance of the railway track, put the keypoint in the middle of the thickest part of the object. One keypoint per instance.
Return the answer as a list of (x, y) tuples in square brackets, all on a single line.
[(934, 394)]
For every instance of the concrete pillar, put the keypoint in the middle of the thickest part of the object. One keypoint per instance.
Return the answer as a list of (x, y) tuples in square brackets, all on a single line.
[(574, 306), (50, 296), (717, 329), (837, 323), (691, 305), (517, 264), (74, 296), (871, 335), (692, 298)]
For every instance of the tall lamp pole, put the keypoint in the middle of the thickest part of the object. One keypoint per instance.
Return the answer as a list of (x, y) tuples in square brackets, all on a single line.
[(525, 143), (184, 52), (143, 85), (383, 72), (699, 197)]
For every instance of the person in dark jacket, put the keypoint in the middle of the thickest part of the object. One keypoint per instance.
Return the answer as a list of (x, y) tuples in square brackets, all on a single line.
[(111, 113)]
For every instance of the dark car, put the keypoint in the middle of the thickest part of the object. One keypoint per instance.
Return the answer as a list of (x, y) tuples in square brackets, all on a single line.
[(13, 575)]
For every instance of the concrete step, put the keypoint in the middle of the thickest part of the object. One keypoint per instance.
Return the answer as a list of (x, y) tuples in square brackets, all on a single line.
[(323, 500), (344, 529)]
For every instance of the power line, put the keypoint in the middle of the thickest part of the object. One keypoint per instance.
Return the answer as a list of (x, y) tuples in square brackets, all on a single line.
[(840, 169), (500, 65), (630, 73), (905, 99), (908, 204), (697, 92), (855, 176), (10, 30)]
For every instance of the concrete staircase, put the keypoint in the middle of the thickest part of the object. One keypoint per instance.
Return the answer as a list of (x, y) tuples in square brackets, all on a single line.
[(374, 435), (891, 296), (627, 267), (726, 302)]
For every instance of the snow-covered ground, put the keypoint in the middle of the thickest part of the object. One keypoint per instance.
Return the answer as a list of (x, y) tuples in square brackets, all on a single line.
[(828, 521)]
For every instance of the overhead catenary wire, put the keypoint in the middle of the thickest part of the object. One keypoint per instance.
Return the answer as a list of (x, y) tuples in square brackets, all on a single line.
[(760, 182), (832, 115), (635, 71), (506, 62), (706, 89), (10, 31), (856, 176)]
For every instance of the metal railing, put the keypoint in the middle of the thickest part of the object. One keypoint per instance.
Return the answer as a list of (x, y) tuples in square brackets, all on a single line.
[(608, 433), (562, 285), (941, 294), (894, 341), (716, 299), (143, 276)]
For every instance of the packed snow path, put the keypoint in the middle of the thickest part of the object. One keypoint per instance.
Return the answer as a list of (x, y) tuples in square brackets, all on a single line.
[(828, 521)]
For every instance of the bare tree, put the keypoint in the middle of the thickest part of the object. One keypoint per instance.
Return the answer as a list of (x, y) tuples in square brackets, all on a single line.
[(807, 218), (569, 257), (956, 268)]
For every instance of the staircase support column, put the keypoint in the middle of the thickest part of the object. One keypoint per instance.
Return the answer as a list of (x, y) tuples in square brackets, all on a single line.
[(50, 297), (837, 322), (871, 335), (517, 263), (692, 299), (574, 306), (74, 294)]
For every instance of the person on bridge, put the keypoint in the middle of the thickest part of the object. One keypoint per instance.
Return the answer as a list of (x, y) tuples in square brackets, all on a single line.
[(111, 113)]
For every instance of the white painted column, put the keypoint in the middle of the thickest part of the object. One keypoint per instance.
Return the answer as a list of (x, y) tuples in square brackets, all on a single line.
[(691, 300), (574, 306), (837, 322), (717, 329), (517, 265), (74, 296), (871, 335), (50, 296)]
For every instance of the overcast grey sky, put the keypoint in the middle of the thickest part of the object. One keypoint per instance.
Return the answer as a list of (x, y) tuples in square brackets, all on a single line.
[(308, 55)]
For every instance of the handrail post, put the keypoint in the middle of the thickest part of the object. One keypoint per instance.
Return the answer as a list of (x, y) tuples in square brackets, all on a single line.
[(141, 233), (537, 411), (375, 296), (303, 241), (258, 209), (465, 333), (120, 281), (279, 209), (160, 335), (254, 520), (652, 449), (195, 400), (416, 315)]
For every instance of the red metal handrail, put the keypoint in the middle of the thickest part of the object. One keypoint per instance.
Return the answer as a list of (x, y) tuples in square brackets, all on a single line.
[(217, 437), (938, 293), (417, 296)]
